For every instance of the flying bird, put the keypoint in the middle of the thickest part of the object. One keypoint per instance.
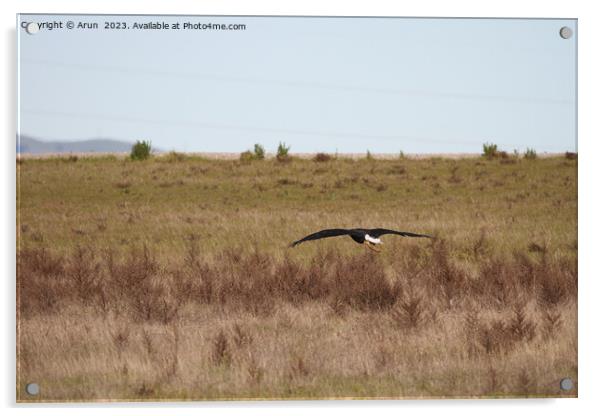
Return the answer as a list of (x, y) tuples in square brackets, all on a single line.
[(370, 237)]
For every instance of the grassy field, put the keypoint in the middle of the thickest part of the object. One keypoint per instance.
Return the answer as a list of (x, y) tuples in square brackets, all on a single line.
[(173, 278)]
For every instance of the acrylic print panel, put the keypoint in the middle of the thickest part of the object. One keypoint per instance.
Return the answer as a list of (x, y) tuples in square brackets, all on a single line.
[(234, 207)]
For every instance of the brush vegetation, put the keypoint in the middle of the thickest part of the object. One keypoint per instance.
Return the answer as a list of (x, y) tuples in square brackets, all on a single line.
[(141, 150), (173, 279)]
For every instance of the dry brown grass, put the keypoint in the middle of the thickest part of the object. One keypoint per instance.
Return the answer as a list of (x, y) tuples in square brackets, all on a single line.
[(252, 325), (190, 292)]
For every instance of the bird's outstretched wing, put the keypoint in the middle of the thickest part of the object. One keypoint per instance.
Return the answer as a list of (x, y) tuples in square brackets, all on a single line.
[(377, 232), (322, 234)]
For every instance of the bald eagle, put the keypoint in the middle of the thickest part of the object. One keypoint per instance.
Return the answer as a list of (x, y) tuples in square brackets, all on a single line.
[(370, 237)]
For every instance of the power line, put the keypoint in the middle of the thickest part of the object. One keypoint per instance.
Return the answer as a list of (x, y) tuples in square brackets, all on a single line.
[(303, 84), (222, 126)]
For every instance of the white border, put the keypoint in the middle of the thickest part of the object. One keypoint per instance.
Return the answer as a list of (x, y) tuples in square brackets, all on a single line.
[(590, 153)]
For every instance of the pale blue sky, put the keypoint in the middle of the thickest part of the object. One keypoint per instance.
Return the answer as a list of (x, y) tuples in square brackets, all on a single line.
[(318, 84)]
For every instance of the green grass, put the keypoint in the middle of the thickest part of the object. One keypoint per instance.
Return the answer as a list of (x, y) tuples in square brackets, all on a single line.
[(113, 203)]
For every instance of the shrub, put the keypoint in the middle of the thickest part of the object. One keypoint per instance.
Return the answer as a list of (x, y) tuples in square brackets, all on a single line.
[(552, 323), (570, 155), (83, 272), (530, 154), (174, 156), (361, 283), (221, 354), (40, 289), (259, 152), (141, 150), (445, 279), (246, 156), (149, 292), (322, 157), (520, 326), (282, 152), (490, 150), (408, 311), (402, 155), (71, 158), (369, 155)]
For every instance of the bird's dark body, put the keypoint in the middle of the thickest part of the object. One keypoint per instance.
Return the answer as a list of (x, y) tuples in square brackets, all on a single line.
[(357, 234)]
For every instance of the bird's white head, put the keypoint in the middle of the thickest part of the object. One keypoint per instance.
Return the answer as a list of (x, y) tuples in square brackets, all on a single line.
[(373, 240)]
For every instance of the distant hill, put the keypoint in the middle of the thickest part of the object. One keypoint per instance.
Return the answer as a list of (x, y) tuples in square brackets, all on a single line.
[(30, 145)]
